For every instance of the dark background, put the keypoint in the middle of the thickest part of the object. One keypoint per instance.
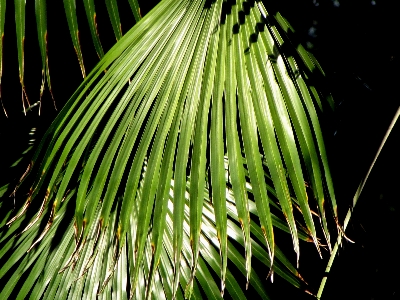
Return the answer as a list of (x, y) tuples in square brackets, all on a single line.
[(357, 44)]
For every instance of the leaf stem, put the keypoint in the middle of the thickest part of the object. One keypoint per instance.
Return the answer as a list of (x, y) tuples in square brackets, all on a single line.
[(355, 199)]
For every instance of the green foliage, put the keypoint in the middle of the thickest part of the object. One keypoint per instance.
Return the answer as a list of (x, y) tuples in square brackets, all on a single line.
[(198, 128)]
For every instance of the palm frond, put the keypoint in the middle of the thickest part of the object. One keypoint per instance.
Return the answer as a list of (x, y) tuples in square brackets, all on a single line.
[(202, 122), (44, 265), (41, 21)]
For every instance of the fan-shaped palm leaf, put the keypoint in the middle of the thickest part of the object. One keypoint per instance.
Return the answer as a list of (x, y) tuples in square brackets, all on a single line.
[(144, 148)]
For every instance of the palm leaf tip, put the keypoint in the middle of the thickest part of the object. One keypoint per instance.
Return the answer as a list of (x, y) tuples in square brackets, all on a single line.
[(92, 20), (209, 113), (70, 12), (41, 21)]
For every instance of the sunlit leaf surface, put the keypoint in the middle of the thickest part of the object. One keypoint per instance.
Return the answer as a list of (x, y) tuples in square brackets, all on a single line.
[(201, 132)]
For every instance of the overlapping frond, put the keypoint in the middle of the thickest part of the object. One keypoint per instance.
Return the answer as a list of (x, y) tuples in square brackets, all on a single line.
[(49, 274), (204, 121)]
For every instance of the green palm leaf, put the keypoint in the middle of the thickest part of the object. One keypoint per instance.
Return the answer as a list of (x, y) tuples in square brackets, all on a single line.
[(112, 8), (72, 20), (200, 124), (41, 21), (20, 30), (91, 16), (135, 9), (70, 12), (89, 271)]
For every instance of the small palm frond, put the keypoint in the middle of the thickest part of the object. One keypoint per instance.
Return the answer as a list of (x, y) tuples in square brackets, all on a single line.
[(72, 20), (205, 115)]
